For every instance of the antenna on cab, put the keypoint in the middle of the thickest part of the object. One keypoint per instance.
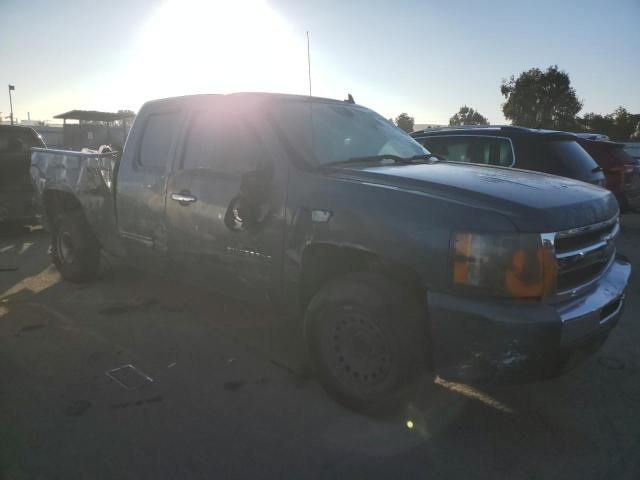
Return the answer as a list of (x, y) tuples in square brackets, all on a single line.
[(309, 61)]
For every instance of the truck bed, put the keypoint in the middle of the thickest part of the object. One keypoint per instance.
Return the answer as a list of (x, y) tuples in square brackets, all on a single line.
[(84, 177)]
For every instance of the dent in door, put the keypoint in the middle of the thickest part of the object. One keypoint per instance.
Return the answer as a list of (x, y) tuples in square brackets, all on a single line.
[(251, 211), (252, 208)]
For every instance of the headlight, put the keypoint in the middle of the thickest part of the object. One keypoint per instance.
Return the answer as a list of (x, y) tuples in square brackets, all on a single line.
[(503, 265)]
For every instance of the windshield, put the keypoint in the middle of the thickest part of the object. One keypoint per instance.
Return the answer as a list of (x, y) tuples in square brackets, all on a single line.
[(330, 133), (17, 141)]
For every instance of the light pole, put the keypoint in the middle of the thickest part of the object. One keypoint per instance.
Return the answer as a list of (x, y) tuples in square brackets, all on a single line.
[(11, 87)]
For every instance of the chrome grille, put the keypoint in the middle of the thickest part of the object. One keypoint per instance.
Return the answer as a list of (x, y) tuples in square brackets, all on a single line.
[(582, 254)]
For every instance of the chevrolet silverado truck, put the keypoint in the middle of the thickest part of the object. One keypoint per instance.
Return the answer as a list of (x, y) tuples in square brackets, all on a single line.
[(393, 261)]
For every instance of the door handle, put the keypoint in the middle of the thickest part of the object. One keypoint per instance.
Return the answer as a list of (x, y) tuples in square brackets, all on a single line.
[(183, 198)]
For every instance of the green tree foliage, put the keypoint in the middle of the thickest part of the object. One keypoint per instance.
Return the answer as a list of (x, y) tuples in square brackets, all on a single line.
[(619, 125), (541, 99), (405, 122), (467, 116)]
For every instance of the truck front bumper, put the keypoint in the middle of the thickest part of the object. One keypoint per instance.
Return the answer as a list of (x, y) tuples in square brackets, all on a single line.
[(489, 340)]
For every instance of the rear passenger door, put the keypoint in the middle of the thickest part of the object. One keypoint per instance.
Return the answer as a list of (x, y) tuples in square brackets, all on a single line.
[(142, 183), (225, 206), (483, 150)]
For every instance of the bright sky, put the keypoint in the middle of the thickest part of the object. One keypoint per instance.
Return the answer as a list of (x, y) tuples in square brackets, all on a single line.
[(425, 57)]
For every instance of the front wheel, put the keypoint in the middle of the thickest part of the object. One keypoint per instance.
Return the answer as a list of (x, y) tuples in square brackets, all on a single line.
[(366, 338), (74, 249)]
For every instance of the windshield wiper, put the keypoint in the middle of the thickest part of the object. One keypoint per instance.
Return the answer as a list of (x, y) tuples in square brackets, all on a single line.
[(397, 159)]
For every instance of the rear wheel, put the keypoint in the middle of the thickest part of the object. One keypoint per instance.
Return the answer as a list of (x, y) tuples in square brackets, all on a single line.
[(74, 249), (366, 339)]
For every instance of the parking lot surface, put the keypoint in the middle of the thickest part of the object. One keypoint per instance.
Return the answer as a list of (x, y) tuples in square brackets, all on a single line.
[(217, 390)]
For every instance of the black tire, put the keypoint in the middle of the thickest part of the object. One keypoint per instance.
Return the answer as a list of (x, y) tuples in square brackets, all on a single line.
[(366, 339), (74, 249)]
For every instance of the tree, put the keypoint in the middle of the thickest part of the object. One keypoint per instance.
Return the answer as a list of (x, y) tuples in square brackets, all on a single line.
[(467, 116), (126, 113), (541, 99), (405, 122), (597, 123), (624, 124), (619, 125)]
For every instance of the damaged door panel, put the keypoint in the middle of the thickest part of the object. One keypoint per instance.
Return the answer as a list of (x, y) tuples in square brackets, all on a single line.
[(227, 235)]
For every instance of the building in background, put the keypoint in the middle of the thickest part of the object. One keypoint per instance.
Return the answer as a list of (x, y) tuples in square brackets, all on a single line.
[(94, 128)]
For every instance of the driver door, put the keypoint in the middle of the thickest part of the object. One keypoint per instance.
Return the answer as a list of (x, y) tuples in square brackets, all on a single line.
[(225, 206)]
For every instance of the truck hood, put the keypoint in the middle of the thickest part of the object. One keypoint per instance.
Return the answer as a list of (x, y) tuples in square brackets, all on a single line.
[(534, 202)]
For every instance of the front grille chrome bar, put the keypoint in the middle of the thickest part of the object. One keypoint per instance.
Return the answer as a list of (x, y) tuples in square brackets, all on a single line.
[(595, 246)]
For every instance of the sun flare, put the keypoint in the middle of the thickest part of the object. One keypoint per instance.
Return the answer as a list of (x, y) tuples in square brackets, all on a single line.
[(216, 46)]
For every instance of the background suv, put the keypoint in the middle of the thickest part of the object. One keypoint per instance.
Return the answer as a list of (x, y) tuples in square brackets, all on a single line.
[(16, 191), (545, 151), (622, 173)]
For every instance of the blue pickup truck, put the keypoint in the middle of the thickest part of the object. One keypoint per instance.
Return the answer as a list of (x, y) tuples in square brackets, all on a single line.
[(393, 261)]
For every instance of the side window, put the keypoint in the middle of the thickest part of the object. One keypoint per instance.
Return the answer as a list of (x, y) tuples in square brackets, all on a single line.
[(437, 145), (157, 140), (456, 148), (472, 149), (203, 139), (224, 144), (501, 153)]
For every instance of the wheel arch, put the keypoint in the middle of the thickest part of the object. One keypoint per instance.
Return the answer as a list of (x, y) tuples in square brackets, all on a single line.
[(323, 262), (56, 201)]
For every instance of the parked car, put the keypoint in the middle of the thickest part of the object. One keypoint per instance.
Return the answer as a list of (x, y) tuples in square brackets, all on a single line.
[(390, 261), (622, 174), (592, 136), (16, 192), (545, 151), (633, 149)]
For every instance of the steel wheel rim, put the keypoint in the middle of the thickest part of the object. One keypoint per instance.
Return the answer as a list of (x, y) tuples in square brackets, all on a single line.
[(357, 351)]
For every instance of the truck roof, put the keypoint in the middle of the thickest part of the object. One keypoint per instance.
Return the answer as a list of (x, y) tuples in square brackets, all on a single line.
[(491, 130), (188, 99)]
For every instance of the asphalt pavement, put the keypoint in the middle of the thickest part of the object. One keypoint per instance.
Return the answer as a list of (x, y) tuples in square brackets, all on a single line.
[(136, 377)]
